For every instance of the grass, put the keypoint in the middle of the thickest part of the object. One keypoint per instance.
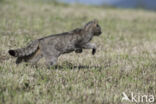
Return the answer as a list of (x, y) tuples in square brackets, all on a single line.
[(125, 60)]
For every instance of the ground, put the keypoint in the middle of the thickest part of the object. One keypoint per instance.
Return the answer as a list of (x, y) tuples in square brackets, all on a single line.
[(125, 60)]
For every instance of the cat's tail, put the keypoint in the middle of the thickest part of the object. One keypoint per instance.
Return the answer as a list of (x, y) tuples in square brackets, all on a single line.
[(30, 49)]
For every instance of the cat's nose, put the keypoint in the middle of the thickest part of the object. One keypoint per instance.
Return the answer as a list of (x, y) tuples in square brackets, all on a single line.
[(100, 32)]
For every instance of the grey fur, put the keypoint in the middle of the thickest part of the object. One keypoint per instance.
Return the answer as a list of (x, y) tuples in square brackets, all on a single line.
[(51, 47)]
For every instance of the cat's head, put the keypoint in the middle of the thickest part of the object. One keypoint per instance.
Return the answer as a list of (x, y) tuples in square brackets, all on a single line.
[(93, 27)]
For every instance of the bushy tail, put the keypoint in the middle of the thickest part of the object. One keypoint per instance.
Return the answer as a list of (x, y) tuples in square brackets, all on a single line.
[(31, 48)]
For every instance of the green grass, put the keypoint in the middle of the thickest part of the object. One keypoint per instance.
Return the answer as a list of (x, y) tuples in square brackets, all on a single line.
[(125, 60)]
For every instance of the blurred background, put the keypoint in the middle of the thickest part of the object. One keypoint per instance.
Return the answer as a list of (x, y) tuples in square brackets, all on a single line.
[(146, 4)]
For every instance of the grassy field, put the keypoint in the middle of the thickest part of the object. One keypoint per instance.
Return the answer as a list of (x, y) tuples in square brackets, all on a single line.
[(125, 60)]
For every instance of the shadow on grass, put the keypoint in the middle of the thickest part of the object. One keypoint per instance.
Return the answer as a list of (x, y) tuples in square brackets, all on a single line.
[(67, 65), (76, 67)]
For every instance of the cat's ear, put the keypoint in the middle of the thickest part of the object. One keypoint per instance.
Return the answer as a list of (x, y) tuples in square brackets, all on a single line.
[(87, 25), (90, 24), (95, 21)]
